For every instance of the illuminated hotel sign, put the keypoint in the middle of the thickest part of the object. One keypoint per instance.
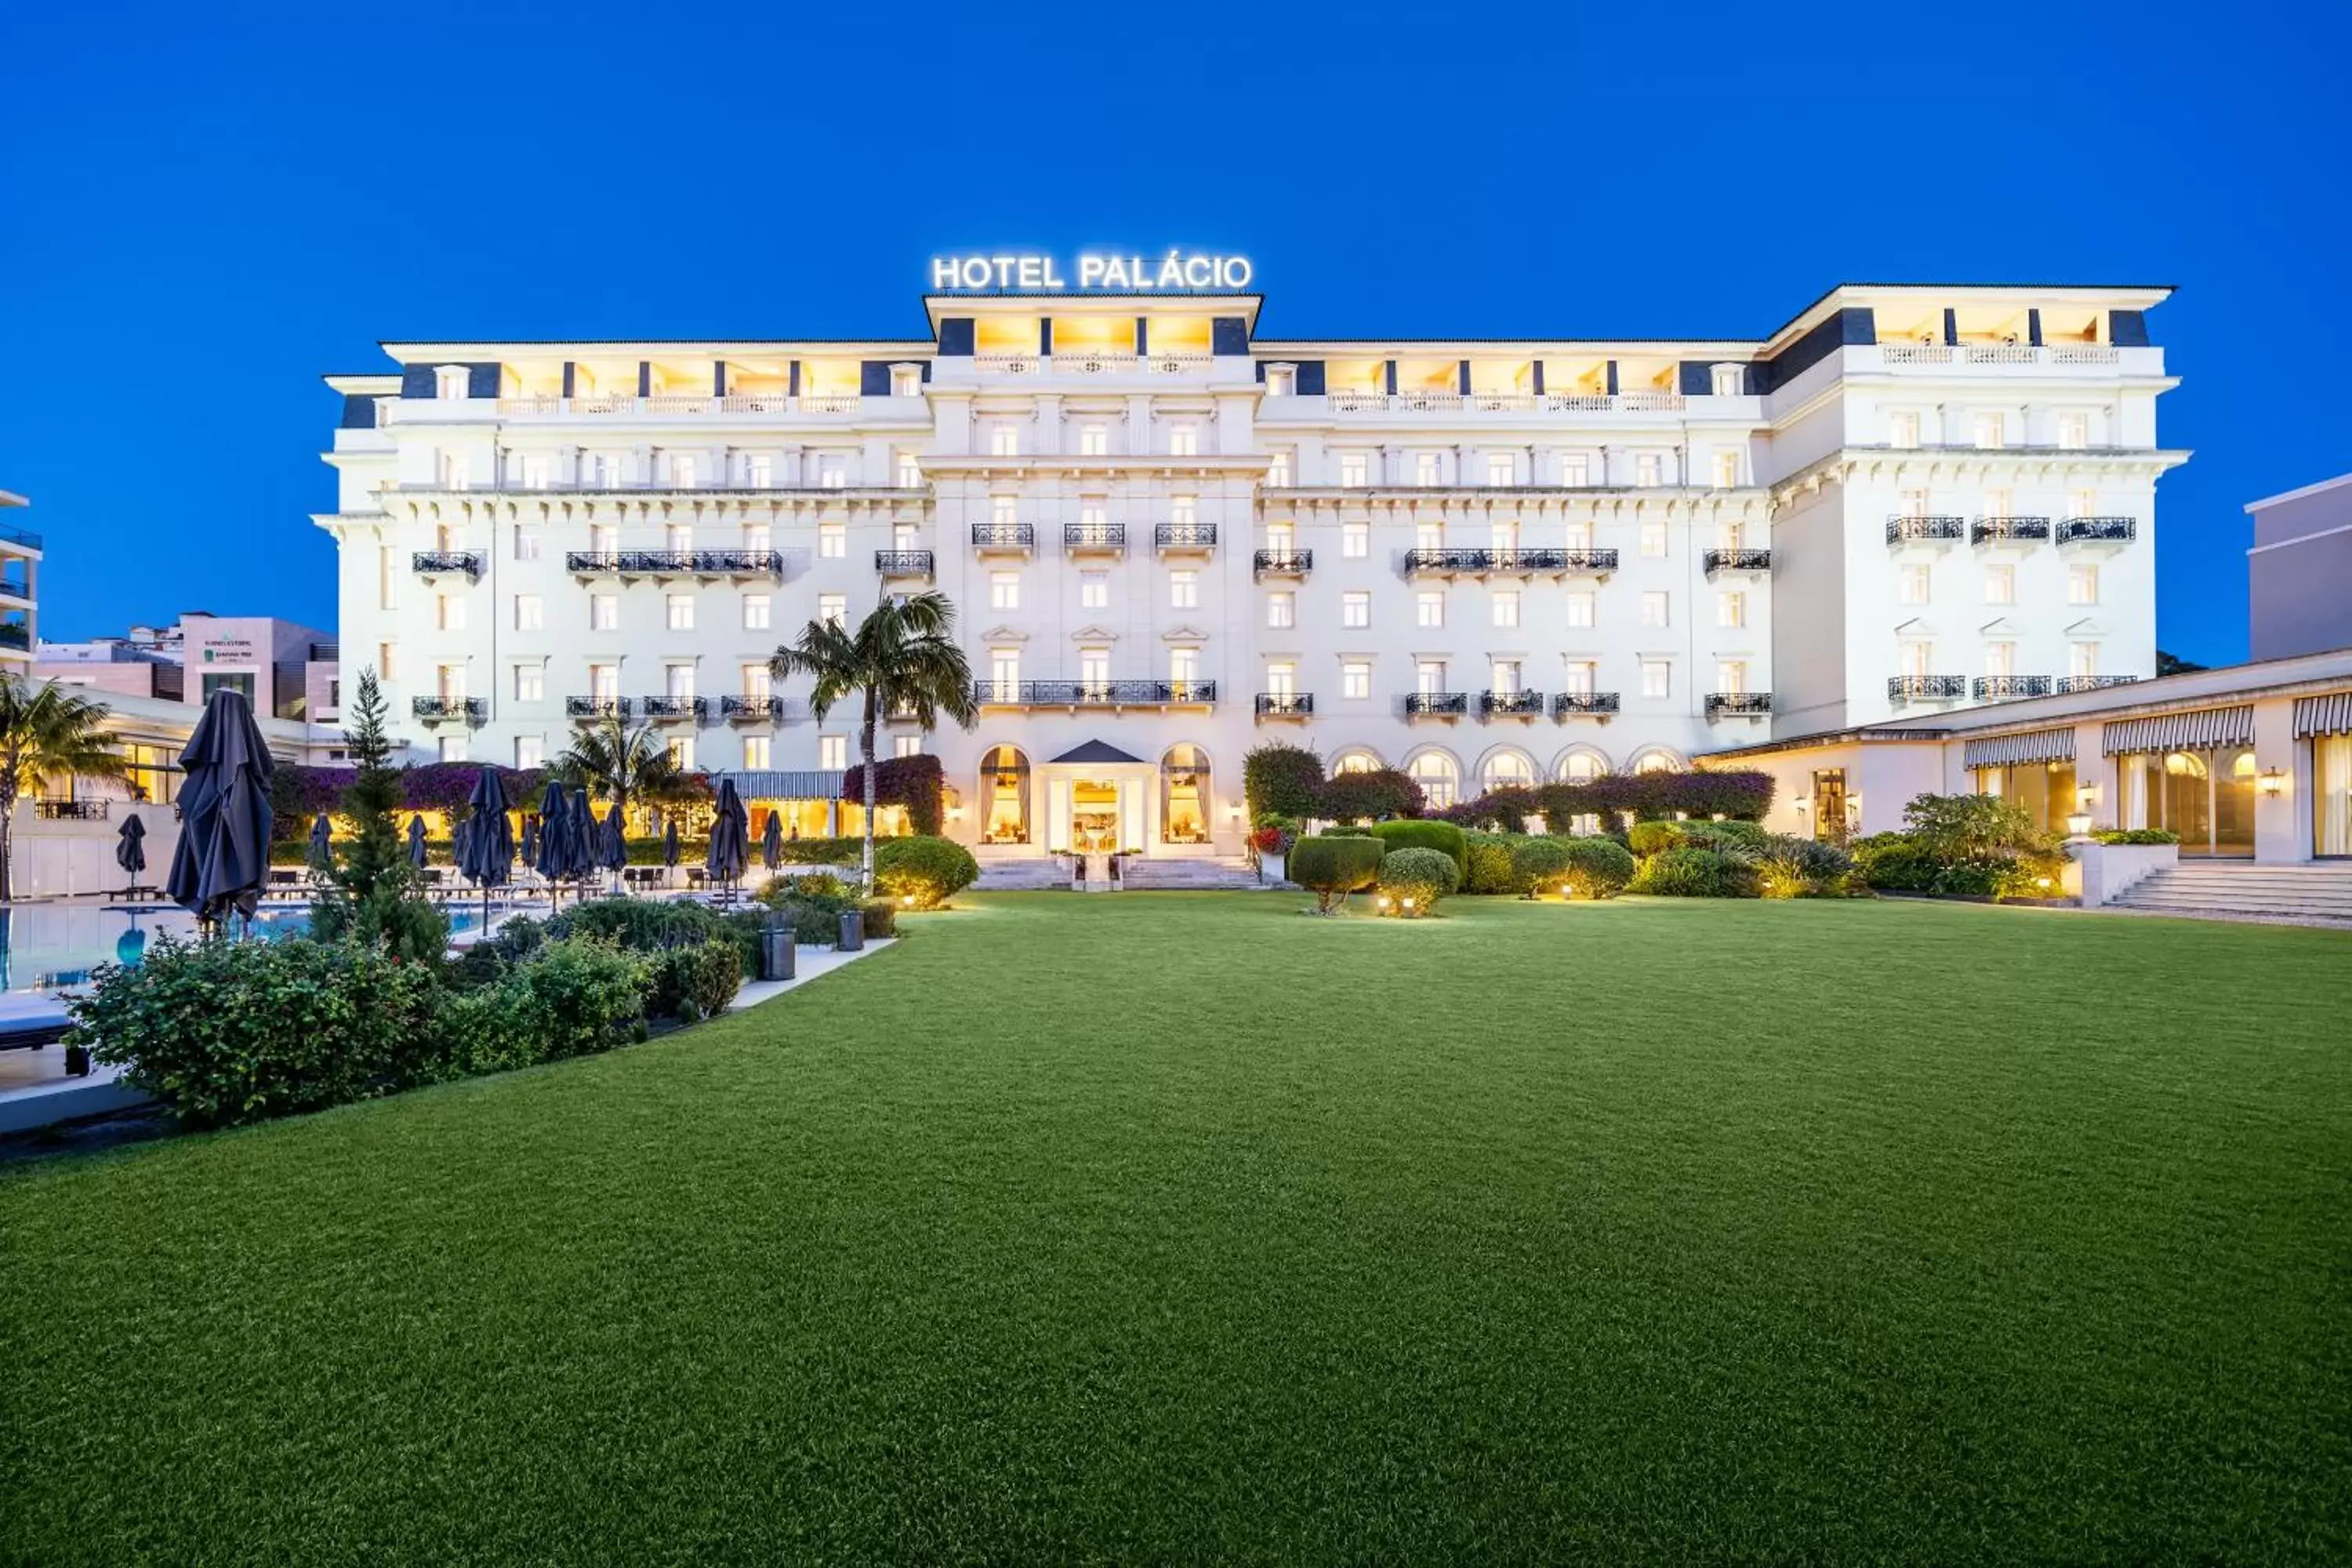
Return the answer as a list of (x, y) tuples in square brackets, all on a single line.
[(1178, 272)]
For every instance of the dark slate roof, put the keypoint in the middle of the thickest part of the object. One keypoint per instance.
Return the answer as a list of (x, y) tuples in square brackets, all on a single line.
[(1095, 751)]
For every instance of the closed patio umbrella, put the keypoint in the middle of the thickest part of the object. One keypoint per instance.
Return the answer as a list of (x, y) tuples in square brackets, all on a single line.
[(130, 848), (580, 838), (485, 852), (730, 837), (771, 842), (613, 845), (222, 857), (549, 861), (417, 841), (530, 839), (321, 853), (671, 849)]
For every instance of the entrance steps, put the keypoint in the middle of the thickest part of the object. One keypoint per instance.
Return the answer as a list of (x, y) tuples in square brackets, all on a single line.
[(1029, 875), (1150, 874), (2314, 893)]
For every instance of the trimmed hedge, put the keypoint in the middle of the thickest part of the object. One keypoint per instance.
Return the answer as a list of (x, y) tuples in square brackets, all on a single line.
[(1332, 865), (928, 870), (1442, 837), (1599, 867), (2135, 836), (1411, 880), (1540, 863)]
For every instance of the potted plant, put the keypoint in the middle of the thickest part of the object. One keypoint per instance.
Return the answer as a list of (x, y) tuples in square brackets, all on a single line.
[(1270, 843)]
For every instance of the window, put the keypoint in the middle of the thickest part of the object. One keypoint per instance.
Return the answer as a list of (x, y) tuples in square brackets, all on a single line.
[(1279, 470), (1654, 539), (1645, 468), (1912, 585), (677, 680), (1903, 430), (1507, 607), (1575, 470), (1728, 379), (2000, 585), (1731, 676), (755, 612), (1094, 441), (1657, 679), (2081, 584), (1281, 679), (529, 615), (679, 608), (832, 473), (1004, 590), (1428, 468), (1184, 511), (758, 753), (1429, 536), (832, 541), (2074, 431), (526, 544), (1435, 775), (1183, 666), (604, 612), (1355, 609), (534, 473), (905, 381), (1506, 536), (1581, 608), (1918, 658), (2083, 503), (1003, 441), (2001, 659), (1004, 671), (529, 683), (603, 470), (1989, 429), (1183, 590), (906, 745), (1354, 470), (384, 651), (449, 612), (1281, 610), (1580, 675), (1094, 666), (2083, 660), (1996, 503), (1429, 608), (681, 753), (755, 538), (832, 752), (759, 471), (1280, 539), (1429, 676), (531, 752), (679, 540), (604, 682), (684, 470), (831, 608), (603, 539), (907, 470), (1183, 440), (1653, 608), (1726, 470), (1281, 380), (1503, 676), (1731, 609), (1355, 539), (758, 681), (1914, 503), (450, 381), (1094, 591), (1356, 678), (453, 748)]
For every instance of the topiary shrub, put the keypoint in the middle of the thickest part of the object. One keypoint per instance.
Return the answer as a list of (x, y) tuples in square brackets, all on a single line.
[(1332, 865), (1599, 867), (1442, 837), (1691, 873), (1282, 780), (1373, 794), (230, 1032), (1538, 863), (1411, 880), (928, 870), (1490, 868), (1789, 867)]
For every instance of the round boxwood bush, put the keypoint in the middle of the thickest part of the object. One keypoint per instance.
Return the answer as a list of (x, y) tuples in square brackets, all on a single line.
[(1599, 867), (1696, 874), (928, 870), (1490, 865), (1413, 880), (1540, 864), (1421, 834), (1331, 865)]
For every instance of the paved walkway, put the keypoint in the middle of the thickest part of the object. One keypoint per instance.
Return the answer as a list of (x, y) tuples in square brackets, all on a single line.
[(812, 963)]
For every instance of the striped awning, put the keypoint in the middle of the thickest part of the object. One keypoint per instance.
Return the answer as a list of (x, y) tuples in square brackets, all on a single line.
[(2034, 746), (778, 784), (2199, 731), (2328, 715)]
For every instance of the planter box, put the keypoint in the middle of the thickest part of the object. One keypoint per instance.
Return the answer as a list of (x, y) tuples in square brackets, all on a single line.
[(2102, 873)]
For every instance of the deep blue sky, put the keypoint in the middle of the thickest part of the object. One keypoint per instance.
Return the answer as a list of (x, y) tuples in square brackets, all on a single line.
[(204, 210)]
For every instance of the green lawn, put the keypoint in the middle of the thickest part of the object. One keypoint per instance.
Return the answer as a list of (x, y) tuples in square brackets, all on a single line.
[(1180, 1227)]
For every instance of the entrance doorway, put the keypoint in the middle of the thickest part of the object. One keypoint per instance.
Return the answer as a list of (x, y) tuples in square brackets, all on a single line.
[(1094, 816), (2206, 796), (1829, 805)]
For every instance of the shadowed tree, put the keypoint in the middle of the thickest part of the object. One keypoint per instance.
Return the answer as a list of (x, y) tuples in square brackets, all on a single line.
[(903, 656), (45, 732)]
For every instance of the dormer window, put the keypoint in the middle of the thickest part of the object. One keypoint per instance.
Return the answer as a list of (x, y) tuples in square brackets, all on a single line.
[(451, 382), (1282, 381), (1728, 379), (905, 381)]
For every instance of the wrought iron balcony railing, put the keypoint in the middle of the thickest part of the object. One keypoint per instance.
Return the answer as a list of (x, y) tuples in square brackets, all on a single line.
[(1445, 560), (2010, 530), (750, 710), (72, 810), (1575, 559), (903, 562), (1439, 704), (1184, 536), (1285, 704), (1583, 704), (1511, 704), (596, 707), (1923, 529), (674, 706), (468, 708), (1103, 536), (1283, 563), (16, 635), (1738, 704), (1003, 536), (677, 563), (1715, 561), (466, 561), (1926, 687), (2072, 683), (1094, 693), (2085, 530), (2006, 688)]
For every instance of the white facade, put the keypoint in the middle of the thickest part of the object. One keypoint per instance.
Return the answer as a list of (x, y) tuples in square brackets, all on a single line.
[(20, 578), (1482, 561)]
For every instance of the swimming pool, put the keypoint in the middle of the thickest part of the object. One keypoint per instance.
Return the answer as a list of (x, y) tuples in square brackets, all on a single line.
[(49, 948)]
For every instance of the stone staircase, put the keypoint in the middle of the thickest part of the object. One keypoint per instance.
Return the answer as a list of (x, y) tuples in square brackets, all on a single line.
[(1148, 874), (1028, 875), (2314, 893)]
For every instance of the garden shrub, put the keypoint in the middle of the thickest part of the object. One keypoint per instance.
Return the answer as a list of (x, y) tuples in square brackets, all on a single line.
[(1648, 838), (1282, 780), (231, 1032), (651, 925), (1442, 837), (1489, 865), (696, 982), (804, 885), (928, 870), (1332, 865), (1373, 794), (2135, 836), (1540, 863), (1747, 840), (2038, 874), (1894, 863), (1792, 868), (881, 918), (1599, 867), (1693, 873), (569, 998), (1412, 880), (819, 851), (916, 782)]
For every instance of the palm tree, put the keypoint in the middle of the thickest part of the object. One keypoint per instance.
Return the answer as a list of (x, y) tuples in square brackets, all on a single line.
[(903, 658), (610, 759), (45, 732)]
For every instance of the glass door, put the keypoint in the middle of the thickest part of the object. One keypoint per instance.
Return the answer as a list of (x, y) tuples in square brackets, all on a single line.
[(2233, 803), (2331, 795), (2206, 797)]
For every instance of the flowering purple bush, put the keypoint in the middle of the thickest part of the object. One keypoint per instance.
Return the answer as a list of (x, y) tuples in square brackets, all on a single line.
[(1741, 796)]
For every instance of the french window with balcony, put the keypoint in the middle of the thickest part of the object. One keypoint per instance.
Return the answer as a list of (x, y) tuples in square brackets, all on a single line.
[(907, 469), (2083, 660), (1429, 677), (1094, 666), (1731, 677)]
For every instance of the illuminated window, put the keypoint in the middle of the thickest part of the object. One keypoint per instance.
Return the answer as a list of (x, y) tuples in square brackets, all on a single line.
[(1281, 679), (908, 471), (530, 752), (833, 541), (1094, 591), (680, 607), (681, 753), (1429, 676), (1731, 676), (1501, 469), (1279, 470), (534, 473), (1903, 430), (758, 752), (1281, 610), (1183, 590), (1183, 440), (2000, 585), (1580, 607), (1094, 441), (1004, 441), (1356, 678), (758, 679), (755, 612), (2074, 430), (1912, 585), (831, 608), (1003, 511), (1726, 470), (1437, 776), (832, 752), (1428, 468), (677, 681), (2081, 584), (1507, 607), (1731, 609), (1355, 609), (2001, 659), (2083, 660), (1989, 430), (1645, 468), (449, 612), (1654, 539), (384, 651), (832, 473), (1503, 676), (1575, 470), (1429, 609), (906, 745), (1657, 679), (905, 381), (604, 612), (1355, 470), (1579, 676), (1004, 590), (759, 471), (1355, 539)]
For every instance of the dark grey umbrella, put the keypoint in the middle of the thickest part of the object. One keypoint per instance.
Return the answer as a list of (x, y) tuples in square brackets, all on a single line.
[(531, 839), (730, 837), (771, 843), (222, 857), (322, 855), (417, 841), (613, 844), (130, 846), (580, 835), (548, 861), (487, 852), (670, 847)]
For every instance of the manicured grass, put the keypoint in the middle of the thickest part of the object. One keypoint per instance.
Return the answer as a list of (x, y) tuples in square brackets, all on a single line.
[(1180, 1227)]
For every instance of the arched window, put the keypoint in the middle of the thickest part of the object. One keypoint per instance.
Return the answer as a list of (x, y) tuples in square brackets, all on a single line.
[(1438, 777), (1184, 796), (1508, 769), (1582, 766), (1357, 761), (1004, 796), (1657, 760)]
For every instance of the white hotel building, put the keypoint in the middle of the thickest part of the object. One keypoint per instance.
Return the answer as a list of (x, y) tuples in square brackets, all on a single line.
[(1168, 537)]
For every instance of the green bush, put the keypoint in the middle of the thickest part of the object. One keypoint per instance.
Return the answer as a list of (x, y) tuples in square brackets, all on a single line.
[(1489, 867), (569, 998), (928, 870), (805, 884), (2040, 874), (1957, 828), (1332, 865), (1648, 838), (1599, 867), (231, 1032), (2135, 836), (1693, 873), (819, 851), (1791, 867), (881, 917), (1421, 834), (651, 925), (696, 982), (1412, 880), (1744, 840), (1894, 863), (1283, 779), (1538, 863)]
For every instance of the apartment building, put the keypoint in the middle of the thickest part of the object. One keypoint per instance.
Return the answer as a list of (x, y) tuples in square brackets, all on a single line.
[(20, 576), (1168, 536)]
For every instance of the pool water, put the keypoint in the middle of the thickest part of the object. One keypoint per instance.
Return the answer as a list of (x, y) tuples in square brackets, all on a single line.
[(45, 949)]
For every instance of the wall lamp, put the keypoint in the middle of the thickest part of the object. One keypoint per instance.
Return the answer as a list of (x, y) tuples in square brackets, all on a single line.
[(2273, 783)]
